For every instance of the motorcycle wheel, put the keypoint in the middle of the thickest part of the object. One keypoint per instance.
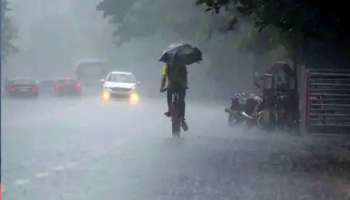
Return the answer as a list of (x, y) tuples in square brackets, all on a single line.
[(264, 120), (232, 121)]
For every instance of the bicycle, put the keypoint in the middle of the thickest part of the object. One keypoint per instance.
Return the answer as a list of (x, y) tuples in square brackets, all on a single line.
[(175, 114)]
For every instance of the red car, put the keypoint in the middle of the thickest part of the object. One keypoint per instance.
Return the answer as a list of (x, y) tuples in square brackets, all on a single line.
[(67, 87), (22, 88)]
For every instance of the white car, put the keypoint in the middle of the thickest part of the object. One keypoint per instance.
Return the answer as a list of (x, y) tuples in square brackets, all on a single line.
[(120, 85)]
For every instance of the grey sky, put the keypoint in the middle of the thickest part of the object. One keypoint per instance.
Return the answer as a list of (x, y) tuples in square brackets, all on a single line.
[(54, 34)]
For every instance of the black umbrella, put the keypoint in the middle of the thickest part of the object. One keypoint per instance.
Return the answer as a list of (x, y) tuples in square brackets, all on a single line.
[(183, 54)]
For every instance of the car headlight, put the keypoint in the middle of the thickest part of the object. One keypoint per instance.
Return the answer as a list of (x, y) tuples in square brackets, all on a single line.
[(106, 95), (134, 98)]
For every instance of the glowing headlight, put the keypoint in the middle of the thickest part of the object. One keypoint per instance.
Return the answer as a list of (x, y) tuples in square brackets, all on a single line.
[(134, 98), (106, 95)]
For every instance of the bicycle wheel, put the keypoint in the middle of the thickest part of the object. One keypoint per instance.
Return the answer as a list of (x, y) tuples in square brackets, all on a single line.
[(176, 128), (175, 121)]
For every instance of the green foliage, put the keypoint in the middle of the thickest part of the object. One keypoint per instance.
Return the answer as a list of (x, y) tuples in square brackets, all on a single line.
[(297, 21), (116, 9), (9, 33), (259, 43), (142, 18), (286, 15)]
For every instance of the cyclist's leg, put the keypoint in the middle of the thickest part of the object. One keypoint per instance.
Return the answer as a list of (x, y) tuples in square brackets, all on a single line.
[(169, 101), (169, 97), (182, 95)]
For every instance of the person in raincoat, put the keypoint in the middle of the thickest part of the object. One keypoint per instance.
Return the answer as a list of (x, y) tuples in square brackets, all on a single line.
[(174, 79)]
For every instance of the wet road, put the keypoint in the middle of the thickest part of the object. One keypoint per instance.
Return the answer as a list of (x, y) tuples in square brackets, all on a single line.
[(73, 148)]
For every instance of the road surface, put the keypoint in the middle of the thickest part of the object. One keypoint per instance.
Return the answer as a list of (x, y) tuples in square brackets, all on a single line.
[(82, 148)]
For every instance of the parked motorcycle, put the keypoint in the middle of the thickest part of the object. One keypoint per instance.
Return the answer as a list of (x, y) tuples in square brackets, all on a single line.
[(243, 109), (275, 113)]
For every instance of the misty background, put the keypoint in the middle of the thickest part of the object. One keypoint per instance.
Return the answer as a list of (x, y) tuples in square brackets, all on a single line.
[(54, 35)]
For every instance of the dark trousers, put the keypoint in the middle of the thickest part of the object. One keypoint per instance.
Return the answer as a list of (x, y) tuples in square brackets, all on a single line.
[(182, 94)]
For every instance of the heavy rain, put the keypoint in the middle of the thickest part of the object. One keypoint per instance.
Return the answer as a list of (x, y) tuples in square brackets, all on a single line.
[(175, 100)]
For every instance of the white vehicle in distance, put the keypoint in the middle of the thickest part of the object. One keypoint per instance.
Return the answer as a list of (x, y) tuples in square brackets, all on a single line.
[(121, 85)]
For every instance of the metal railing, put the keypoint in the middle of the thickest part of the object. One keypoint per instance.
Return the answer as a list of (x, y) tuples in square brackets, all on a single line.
[(327, 100)]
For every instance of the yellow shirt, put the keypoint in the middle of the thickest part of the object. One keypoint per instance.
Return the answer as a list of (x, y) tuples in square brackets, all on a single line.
[(177, 76), (165, 70)]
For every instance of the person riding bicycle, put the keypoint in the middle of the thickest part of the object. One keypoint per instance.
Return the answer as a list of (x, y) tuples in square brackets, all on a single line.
[(175, 75)]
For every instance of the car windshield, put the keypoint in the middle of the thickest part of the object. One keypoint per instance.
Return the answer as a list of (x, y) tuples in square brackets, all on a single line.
[(22, 82), (67, 81), (122, 78)]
